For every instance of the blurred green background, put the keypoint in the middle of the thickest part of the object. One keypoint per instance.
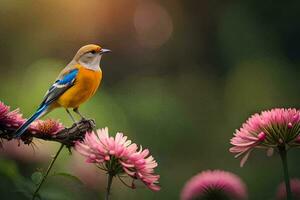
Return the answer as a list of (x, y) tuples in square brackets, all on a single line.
[(182, 77)]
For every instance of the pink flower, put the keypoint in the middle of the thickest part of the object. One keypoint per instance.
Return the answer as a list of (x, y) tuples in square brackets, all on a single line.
[(269, 129), (10, 119), (117, 155), (3, 110), (216, 185), (47, 127), (295, 188)]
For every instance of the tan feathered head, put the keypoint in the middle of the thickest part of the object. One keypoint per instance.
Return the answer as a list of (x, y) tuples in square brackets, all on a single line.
[(90, 55)]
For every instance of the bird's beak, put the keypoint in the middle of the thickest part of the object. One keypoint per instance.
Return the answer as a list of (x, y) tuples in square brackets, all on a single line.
[(103, 51)]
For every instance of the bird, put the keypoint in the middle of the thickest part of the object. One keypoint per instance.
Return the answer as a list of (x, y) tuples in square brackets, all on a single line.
[(75, 84)]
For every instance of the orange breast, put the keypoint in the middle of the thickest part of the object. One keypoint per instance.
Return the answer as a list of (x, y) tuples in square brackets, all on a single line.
[(85, 86)]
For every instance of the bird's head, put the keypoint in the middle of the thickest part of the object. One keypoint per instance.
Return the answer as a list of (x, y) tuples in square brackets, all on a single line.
[(90, 56)]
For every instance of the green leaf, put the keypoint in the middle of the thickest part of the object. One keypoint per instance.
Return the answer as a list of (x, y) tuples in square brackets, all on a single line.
[(69, 176), (37, 177)]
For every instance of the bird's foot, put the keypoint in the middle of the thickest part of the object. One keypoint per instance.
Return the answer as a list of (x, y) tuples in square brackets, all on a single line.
[(85, 122), (90, 121)]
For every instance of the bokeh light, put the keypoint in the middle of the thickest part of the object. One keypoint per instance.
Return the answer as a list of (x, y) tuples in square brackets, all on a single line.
[(153, 24)]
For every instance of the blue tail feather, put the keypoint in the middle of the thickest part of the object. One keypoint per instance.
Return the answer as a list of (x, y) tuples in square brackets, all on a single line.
[(35, 116)]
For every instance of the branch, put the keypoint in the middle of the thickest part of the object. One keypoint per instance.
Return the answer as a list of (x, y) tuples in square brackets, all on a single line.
[(67, 136)]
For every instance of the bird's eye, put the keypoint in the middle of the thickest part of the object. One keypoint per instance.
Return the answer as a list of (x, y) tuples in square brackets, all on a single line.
[(93, 51)]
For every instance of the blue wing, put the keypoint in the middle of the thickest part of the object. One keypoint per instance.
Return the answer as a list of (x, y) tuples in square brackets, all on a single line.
[(54, 92), (59, 87)]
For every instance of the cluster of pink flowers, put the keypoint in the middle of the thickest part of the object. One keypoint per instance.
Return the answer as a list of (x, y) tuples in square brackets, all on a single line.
[(269, 129), (214, 184), (117, 155), (13, 120)]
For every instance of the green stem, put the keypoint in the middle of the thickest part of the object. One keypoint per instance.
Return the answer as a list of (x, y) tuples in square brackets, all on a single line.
[(109, 183), (283, 155), (47, 172)]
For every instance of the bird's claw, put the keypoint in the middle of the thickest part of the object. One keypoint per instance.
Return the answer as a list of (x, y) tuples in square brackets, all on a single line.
[(92, 122)]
